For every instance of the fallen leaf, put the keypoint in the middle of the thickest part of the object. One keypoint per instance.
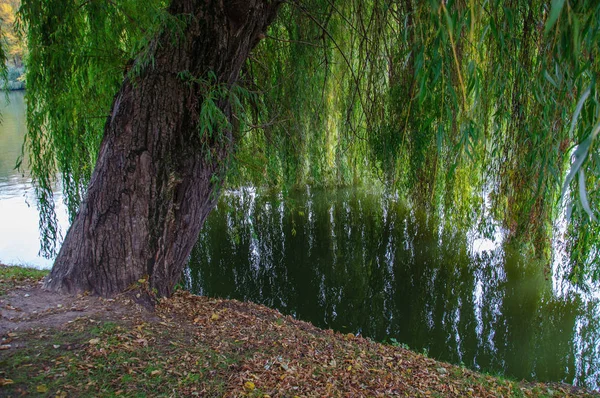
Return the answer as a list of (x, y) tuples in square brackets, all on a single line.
[(94, 341), (5, 382), (155, 372), (214, 317), (42, 388), (249, 386), (5, 347)]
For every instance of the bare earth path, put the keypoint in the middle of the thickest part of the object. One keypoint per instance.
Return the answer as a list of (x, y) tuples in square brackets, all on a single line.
[(29, 306)]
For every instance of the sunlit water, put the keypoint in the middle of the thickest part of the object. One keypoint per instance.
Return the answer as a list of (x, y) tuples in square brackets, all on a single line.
[(360, 262), (19, 232)]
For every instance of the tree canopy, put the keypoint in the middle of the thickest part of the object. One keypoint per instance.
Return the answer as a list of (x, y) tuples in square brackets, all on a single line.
[(469, 108), (13, 45)]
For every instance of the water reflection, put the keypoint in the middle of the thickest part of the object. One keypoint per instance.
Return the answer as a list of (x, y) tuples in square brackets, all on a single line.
[(19, 233), (363, 263)]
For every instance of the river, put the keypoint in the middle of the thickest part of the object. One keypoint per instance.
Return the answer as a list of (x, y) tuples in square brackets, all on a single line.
[(362, 262)]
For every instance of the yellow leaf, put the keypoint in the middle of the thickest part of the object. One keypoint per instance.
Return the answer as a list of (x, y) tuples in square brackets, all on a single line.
[(214, 317), (94, 341), (42, 388), (5, 382), (249, 386)]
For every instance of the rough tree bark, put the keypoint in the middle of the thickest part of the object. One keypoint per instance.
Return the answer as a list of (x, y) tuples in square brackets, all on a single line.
[(154, 183)]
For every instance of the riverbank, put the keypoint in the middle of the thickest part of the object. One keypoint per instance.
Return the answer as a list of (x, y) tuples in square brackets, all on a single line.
[(16, 78), (64, 346)]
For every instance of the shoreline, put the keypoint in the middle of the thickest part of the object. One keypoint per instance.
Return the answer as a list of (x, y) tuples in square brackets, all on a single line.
[(54, 345)]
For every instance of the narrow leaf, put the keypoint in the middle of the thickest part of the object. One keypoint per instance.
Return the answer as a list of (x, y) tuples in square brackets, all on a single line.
[(583, 195), (578, 108), (579, 155), (557, 6), (569, 211), (550, 79)]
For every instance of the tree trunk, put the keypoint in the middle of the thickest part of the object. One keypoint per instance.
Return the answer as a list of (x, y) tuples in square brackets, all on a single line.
[(157, 175)]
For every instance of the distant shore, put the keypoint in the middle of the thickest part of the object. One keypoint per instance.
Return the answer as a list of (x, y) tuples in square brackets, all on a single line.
[(16, 78)]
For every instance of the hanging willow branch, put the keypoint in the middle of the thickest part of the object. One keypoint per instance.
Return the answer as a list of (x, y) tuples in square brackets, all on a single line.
[(454, 104)]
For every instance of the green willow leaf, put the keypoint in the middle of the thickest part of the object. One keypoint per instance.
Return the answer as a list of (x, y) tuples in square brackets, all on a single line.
[(352, 92), (557, 6), (578, 108), (579, 157), (583, 195)]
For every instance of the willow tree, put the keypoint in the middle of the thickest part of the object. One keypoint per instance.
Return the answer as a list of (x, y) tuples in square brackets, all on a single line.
[(450, 102), (165, 145)]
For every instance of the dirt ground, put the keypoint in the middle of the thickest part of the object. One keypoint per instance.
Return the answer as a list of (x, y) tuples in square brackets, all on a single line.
[(29, 306)]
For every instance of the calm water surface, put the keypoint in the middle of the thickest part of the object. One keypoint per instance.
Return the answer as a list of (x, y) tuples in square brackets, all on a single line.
[(19, 233), (356, 261), (360, 262)]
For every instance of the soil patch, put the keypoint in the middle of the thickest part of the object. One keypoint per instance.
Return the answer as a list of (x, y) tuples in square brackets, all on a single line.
[(30, 306)]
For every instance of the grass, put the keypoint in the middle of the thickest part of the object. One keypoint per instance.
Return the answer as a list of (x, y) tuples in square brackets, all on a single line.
[(89, 361), (11, 276)]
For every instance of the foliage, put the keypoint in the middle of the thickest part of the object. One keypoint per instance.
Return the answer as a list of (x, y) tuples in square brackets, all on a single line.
[(76, 62), (13, 44), (468, 108), (6, 37)]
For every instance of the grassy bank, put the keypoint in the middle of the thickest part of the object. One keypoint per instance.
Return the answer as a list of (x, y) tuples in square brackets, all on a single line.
[(196, 346)]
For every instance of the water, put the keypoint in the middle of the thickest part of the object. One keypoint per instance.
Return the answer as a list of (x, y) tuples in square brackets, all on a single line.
[(19, 233), (360, 262)]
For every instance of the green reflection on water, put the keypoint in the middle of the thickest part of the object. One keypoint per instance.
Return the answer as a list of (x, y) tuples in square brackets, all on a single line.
[(360, 262), (12, 131)]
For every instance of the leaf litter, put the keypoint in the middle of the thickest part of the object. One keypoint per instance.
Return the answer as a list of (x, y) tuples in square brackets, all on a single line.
[(198, 346)]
